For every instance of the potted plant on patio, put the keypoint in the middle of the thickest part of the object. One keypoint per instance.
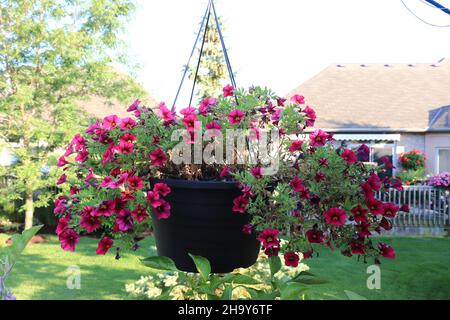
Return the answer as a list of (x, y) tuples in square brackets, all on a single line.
[(221, 180)]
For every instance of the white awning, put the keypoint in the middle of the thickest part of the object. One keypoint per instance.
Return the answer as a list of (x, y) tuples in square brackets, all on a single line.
[(367, 137)]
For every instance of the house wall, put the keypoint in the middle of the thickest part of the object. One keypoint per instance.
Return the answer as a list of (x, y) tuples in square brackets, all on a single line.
[(434, 141)]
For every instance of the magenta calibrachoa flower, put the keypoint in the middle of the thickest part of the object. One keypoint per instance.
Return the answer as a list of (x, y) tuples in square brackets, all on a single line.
[(318, 195)]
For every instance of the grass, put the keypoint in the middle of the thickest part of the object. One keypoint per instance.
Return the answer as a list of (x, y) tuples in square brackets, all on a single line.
[(420, 271)]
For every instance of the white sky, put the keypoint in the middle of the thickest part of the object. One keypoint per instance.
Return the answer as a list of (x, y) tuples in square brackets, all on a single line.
[(282, 43)]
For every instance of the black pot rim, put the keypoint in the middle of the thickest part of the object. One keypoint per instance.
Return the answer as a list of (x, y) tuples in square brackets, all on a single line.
[(195, 184)]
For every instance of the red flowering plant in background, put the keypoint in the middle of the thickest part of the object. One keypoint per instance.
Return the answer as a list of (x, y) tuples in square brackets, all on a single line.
[(318, 195), (412, 160)]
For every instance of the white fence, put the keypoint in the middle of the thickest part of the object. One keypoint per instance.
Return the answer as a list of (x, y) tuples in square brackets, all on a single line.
[(429, 206)]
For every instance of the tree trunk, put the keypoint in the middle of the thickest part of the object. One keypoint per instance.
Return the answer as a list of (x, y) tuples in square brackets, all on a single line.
[(29, 210)]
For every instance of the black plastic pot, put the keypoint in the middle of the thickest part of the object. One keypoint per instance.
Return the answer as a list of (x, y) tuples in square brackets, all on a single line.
[(203, 223)]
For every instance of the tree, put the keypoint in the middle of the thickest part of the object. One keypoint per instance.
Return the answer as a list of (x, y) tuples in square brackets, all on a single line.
[(54, 53), (213, 69)]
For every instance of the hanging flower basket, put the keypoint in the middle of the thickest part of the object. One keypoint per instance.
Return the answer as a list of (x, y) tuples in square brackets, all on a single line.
[(220, 180)]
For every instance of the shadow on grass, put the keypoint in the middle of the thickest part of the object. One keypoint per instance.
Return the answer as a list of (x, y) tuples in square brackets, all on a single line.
[(42, 272)]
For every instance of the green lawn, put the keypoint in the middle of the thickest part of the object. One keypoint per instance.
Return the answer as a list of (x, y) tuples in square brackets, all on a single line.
[(421, 271)]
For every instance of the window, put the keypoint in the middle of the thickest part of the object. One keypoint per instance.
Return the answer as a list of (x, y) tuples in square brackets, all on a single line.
[(443, 160)]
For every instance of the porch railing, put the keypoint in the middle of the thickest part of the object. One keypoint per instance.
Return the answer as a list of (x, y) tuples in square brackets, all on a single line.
[(429, 206)]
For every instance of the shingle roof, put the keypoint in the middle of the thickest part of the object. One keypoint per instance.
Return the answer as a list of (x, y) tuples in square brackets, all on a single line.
[(379, 97)]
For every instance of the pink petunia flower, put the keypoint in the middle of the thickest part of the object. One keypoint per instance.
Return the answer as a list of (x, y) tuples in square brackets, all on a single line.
[(257, 172), (104, 245), (213, 128), (296, 184), (134, 106), (349, 156), (90, 223), (164, 113), (386, 251), (158, 158), (82, 156), (335, 216), (225, 172), (296, 146), (269, 238), (63, 224), (240, 204), (163, 210), (124, 220), (125, 148), (228, 91), (318, 138), (69, 239), (140, 214), (135, 182), (310, 116), (154, 199), (188, 111), (291, 259), (105, 209), (62, 179), (110, 122), (127, 123), (298, 99), (235, 116), (162, 189), (62, 162)]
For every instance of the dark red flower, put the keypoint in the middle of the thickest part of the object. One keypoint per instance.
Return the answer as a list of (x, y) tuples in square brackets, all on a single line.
[(390, 210), (367, 190), (240, 204), (269, 238), (397, 184), (375, 206), (297, 184), (385, 224), (69, 239), (324, 162), (128, 138), (135, 182), (363, 229), (115, 172), (291, 259), (386, 251), (315, 236), (363, 153), (90, 223), (296, 146), (405, 208), (310, 116), (163, 211), (225, 172), (359, 213), (158, 158), (257, 172), (125, 147), (318, 138), (104, 245), (357, 247), (335, 216), (140, 214), (349, 156), (134, 106), (374, 181), (127, 124), (82, 156), (162, 189), (307, 254), (63, 224), (319, 176), (272, 251)]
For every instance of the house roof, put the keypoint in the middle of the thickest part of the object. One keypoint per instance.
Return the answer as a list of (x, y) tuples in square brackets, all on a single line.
[(381, 97)]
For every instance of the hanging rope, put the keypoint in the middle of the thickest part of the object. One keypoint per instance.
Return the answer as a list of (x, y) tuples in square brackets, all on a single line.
[(192, 53), (206, 18), (201, 53)]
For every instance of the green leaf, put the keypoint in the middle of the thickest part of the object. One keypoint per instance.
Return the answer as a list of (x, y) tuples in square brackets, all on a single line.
[(275, 265), (237, 278), (353, 295), (203, 266), (160, 263), (292, 291), (227, 293), (262, 295), (20, 241)]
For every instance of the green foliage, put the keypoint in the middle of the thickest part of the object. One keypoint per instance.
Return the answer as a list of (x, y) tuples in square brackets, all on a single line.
[(53, 55), (412, 176), (9, 256), (412, 160)]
